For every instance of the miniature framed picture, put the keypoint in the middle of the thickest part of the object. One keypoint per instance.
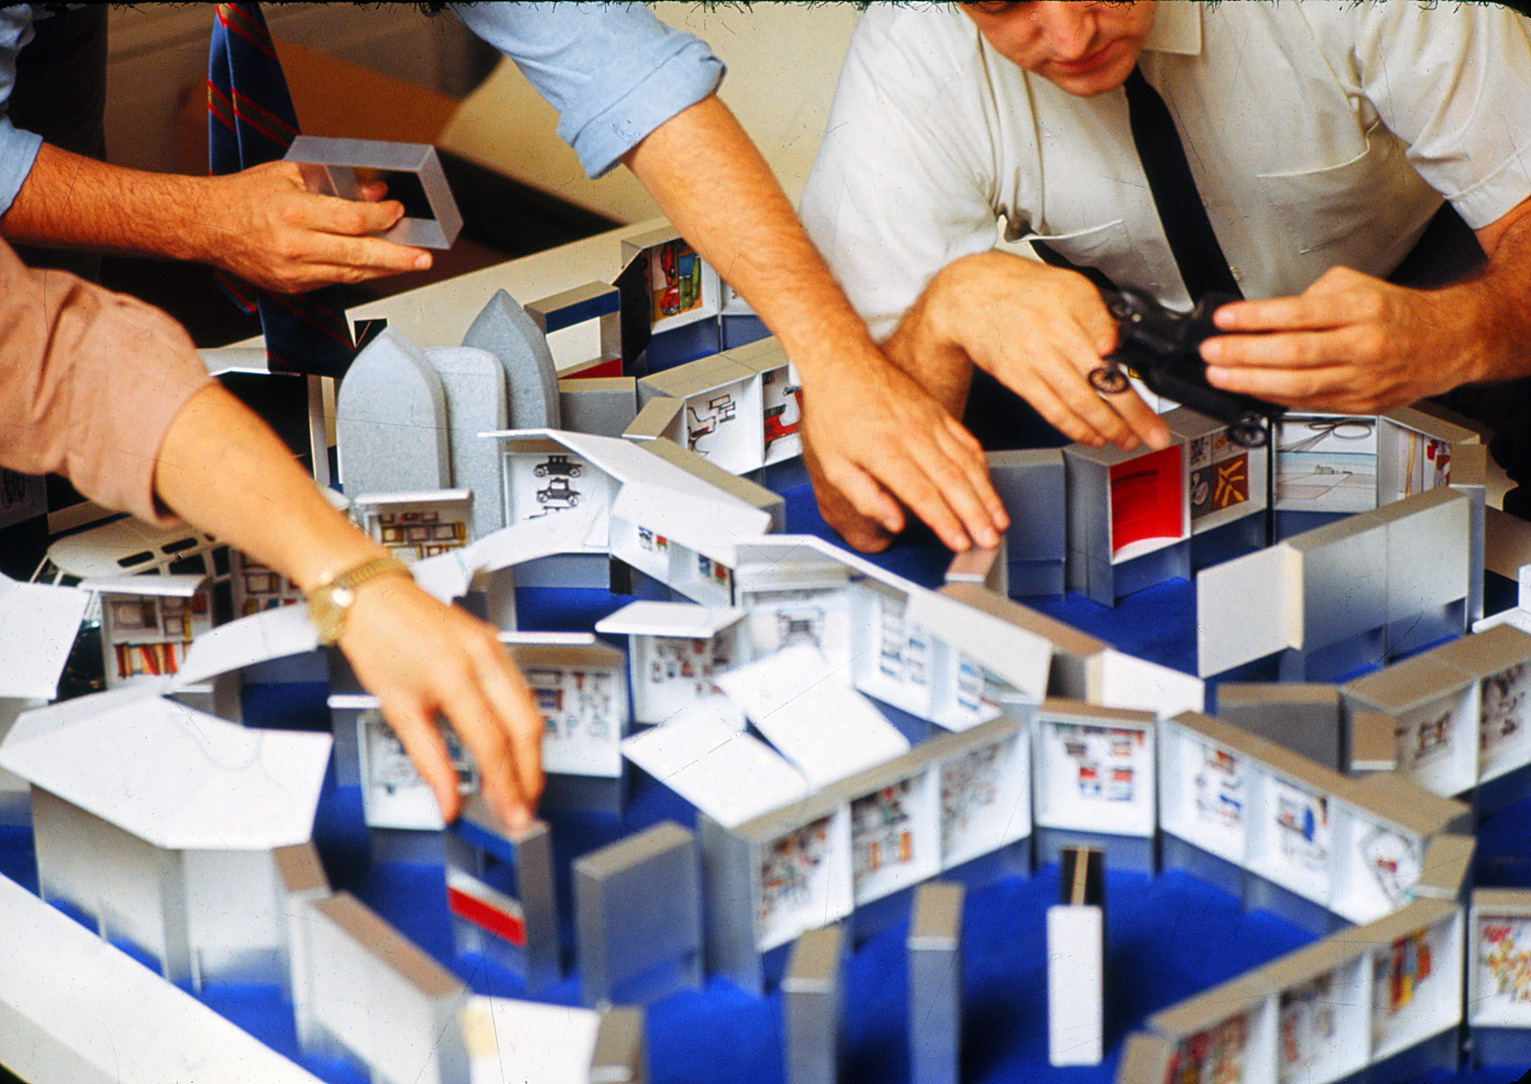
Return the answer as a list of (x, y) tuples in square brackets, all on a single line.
[(1326, 462), (1094, 778), (1416, 987), (805, 879), (1219, 1053), (895, 836), (781, 412), (985, 799)]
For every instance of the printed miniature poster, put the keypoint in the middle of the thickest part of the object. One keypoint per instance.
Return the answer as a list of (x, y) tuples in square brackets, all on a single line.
[(1423, 463), (1096, 778), (984, 801), (782, 414), (1326, 463), (550, 483), (795, 886), (677, 285), (1147, 503), (1504, 720), (677, 671), (582, 712), (1307, 1031), (1216, 800), (1214, 1056), (1428, 745), (1383, 867), (904, 663), (1502, 994), (715, 427), (1409, 989), (1219, 474), (1304, 839), (393, 793), (889, 847)]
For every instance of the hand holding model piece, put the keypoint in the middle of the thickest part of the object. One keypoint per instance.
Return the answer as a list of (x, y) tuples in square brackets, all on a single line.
[(111, 392)]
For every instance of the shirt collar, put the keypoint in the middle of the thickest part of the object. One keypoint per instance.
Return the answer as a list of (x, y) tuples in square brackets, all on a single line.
[(1177, 28)]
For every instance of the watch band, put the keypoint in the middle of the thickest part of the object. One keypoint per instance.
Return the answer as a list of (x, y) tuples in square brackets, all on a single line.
[(331, 598)]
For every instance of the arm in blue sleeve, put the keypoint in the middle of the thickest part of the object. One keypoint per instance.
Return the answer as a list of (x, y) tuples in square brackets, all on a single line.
[(18, 149), (613, 71)]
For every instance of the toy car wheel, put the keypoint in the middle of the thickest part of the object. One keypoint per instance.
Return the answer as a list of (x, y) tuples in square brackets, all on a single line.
[(576, 470), (1107, 379), (542, 498), (573, 499), (541, 470), (1249, 432)]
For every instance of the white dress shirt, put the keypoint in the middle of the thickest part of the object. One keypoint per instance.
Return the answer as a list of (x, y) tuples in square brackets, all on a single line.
[(1320, 134)]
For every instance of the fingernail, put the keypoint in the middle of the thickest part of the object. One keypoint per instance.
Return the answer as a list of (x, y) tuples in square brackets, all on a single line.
[(1159, 439), (423, 262)]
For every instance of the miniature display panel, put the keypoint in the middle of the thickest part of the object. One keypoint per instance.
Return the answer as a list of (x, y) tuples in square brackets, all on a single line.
[(410, 534), (804, 879), (1434, 744), (1326, 463), (1094, 778), (1416, 987), (584, 714), (895, 837), (719, 425), (150, 634), (781, 412), (1219, 1055), (546, 483), (895, 658), (257, 588), (782, 619), (682, 287), (671, 673), (1205, 793), (393, 793), (1414, 462), (1322, 1027), (1500, 981), (1378, 866), (1293, 838), (1504, 721), (1225, 482), (985, 798), (1147, 504)]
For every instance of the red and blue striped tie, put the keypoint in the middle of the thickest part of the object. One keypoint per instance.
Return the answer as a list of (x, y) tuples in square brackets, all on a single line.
[(250, 120)]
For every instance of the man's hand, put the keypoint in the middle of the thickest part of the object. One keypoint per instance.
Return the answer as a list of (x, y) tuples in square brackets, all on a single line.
[(266, 227), (1349, 343), (873, 438), (421, 658), (1039, 330)]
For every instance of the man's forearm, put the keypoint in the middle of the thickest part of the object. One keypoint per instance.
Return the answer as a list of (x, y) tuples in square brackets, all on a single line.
[(719, 193), (1501, 295), (69, 201)]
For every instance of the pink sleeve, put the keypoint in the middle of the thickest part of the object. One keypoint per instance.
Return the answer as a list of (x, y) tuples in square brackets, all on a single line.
[(89, 383)]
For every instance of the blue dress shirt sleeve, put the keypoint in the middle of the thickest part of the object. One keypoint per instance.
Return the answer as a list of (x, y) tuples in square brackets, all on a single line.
[(613, 71), (18, 149)]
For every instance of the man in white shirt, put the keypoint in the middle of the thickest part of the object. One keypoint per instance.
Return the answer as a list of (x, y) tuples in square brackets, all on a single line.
[(1323, 137)]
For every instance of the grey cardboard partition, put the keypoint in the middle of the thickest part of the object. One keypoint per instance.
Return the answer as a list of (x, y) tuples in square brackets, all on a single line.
[(1030, 482), (935, 984), (605, 406), (638, 917), (812, 995), (1304, 718)]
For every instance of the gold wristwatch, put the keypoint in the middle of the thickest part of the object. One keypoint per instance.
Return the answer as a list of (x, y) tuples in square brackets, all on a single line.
[(333, 595)]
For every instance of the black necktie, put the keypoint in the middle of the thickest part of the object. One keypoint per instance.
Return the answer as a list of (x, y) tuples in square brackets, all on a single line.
[(1203, 267)]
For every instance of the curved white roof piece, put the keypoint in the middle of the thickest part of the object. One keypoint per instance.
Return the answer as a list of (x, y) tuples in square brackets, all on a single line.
[(177, 778)]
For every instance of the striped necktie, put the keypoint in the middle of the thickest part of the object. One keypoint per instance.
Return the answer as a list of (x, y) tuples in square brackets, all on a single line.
[(251, 120)]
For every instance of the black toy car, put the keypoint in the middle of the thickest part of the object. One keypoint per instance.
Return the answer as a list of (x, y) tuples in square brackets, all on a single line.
[(1162, 349)]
